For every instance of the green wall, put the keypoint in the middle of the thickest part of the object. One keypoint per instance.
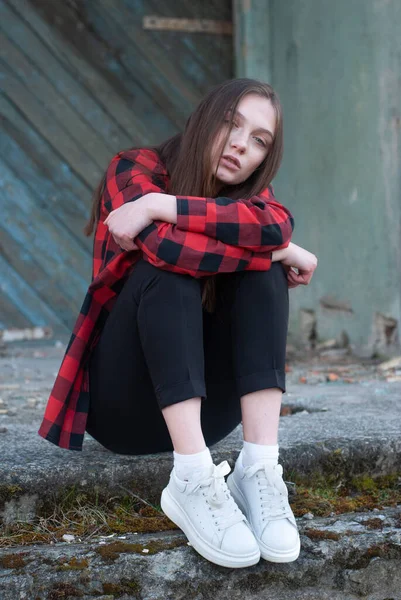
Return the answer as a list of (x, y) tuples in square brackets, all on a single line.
[(337, 68)]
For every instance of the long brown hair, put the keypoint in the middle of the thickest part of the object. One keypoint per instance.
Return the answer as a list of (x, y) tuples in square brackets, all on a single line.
[(187, 155)]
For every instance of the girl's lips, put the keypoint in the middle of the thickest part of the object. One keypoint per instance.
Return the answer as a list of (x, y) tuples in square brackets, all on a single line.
[(229, 164)]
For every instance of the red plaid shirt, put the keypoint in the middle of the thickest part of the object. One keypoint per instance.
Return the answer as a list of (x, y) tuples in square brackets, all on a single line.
[(212, 235)]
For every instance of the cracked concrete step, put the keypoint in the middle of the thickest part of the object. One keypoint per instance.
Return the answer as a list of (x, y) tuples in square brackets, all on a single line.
[(346, 557), (350, 429)]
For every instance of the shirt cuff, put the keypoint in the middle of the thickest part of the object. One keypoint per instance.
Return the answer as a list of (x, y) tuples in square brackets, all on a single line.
[(191, 213)]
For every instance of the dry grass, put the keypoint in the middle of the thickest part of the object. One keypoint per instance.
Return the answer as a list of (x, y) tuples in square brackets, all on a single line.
[(87, 515), (79, 515)]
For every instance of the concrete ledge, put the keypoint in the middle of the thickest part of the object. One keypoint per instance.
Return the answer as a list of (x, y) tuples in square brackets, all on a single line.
[(334, 428), (342, 558), (353, 428)]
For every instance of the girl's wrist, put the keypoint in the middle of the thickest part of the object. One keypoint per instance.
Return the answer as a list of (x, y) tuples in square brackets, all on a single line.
[(161, 207), (279, 255), (150, 205)]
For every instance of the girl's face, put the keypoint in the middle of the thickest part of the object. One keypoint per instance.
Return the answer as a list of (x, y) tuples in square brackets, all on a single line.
[(249, 140)]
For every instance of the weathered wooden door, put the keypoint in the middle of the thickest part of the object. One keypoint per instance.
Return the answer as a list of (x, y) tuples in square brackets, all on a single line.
[(81, 80)]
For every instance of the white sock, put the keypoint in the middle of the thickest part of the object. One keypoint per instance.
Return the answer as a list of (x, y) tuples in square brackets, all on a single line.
[(188, 466), (253, 453)]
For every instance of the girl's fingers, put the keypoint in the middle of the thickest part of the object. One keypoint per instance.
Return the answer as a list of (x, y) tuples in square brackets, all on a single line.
[(300, 278), (125, 244)]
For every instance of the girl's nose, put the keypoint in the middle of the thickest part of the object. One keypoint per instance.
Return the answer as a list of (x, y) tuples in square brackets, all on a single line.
[(239, 143)]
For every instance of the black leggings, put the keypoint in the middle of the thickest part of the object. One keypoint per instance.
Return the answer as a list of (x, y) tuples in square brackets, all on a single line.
[(159, 347)]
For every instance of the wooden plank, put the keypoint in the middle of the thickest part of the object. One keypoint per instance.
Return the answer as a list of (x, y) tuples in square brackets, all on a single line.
[(72, 191), (252, 40), (42, 236), (68, 210), (30, 270), (135, 64), (54, 133), (116, 99), (52, 55), (153, 69), (10, 316), (211, 44), (25, 300), (55, 104), (207, 59), (129, 22), (192, 25)]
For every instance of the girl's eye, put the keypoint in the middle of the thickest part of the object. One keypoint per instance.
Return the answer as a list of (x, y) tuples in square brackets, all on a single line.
[(260, 141)]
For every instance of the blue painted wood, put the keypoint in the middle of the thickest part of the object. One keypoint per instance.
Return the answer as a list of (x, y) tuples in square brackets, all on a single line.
[(96, 66), (57, 135), (252, 40), (79, 82), (51, 164), (133, 56), (42, 235), (71, 75), (25, 300), (29, 268), (10, 316), (206, 57), (65, 207), (57, 108), (130, 23)]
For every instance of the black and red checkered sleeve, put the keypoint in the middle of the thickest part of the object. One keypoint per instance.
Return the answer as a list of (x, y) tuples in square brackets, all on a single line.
[(260, 224), (129, 176), (133, 174), (170, 248)]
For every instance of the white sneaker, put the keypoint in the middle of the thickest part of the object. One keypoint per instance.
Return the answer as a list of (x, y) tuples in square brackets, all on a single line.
[(262, 495), (206, 512)]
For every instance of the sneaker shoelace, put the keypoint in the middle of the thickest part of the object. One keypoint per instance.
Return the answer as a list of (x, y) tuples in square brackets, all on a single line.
[(218, 497), (273, 493)]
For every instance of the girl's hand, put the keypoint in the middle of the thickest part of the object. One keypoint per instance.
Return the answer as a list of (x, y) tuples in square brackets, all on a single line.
[(305, 262), (298, 257), (301, 278), (127, 221)]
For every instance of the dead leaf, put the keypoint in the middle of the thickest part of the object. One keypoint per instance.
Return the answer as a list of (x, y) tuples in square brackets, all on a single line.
[(332, 377)]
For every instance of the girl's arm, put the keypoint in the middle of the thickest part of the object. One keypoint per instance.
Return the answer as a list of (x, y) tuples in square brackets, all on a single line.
[(167, 247), (135, 174), (259, 224)]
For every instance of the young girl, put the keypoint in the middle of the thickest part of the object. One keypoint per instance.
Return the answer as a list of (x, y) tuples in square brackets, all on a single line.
[(182, 334)]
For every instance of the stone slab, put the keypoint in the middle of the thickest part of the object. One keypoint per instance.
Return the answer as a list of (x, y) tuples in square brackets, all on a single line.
[(360, 563), (353, 426)]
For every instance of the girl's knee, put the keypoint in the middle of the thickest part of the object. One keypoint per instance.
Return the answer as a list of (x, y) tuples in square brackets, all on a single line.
[(148, 280), (273, 280)]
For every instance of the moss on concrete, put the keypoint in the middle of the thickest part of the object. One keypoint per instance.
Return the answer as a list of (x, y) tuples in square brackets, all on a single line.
[(322, 497), (125, 586), (385, 550), (321, 534), (64, 591), (81, 512), (111, 552), (13, 561), (74, 564), (9, 492), (374, 523)]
